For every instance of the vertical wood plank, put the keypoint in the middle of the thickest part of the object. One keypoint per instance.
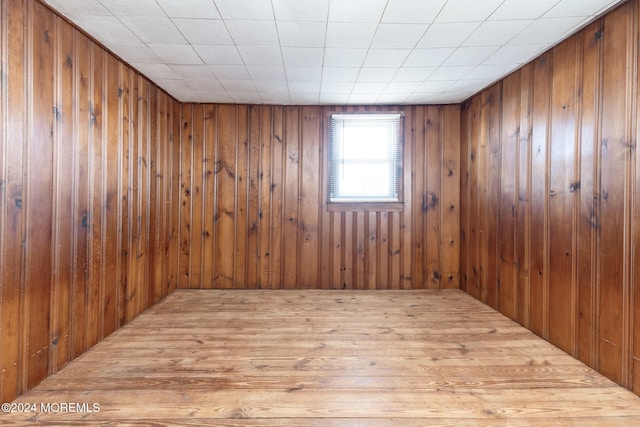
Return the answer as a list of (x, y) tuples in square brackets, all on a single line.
[(253, 198), (63, 236), (196, 196), (539, 194), (13, 214), (523, 213), (310, 199), (112, 112), (562, 187), (432, 205), (613, 149), (39, 201), (186, 212), (507, 277), (450, 198), (209, 194), (225, 216), (291, 190), (241, 198), (265, 212)]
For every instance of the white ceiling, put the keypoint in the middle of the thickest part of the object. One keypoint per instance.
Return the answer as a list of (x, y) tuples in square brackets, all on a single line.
[(328, 51)]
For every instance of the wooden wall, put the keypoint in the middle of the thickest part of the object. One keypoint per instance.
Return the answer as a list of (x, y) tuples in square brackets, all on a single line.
[(86, 161), (253, 211), (551, 198)]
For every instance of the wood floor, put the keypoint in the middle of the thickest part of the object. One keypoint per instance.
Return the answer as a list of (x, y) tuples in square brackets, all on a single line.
[(327, 358)]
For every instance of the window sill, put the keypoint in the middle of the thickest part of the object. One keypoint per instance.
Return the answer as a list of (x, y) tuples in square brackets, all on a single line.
[(365, 206)]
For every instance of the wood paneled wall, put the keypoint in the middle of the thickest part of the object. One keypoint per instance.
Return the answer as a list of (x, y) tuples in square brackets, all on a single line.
[(551, 197), (253, 212), (86, 167)]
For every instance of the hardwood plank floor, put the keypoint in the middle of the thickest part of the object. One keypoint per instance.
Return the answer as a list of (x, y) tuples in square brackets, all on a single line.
[(326, 358)]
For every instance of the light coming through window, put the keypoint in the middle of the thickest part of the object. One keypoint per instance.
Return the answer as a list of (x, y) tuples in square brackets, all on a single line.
[(365, 158)]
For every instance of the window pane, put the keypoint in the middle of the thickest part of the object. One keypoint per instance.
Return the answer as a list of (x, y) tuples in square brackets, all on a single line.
[(365, 142), (364, 157), (364, 180)]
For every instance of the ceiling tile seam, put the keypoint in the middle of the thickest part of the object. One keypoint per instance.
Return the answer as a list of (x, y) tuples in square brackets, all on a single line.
[(286, 78)]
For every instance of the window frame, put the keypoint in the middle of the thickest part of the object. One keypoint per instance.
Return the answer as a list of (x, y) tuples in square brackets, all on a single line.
[(368, 204)]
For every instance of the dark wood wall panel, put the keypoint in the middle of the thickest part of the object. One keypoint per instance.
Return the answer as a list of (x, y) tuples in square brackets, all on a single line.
[(564, 222), (253, 207), (87, 158)]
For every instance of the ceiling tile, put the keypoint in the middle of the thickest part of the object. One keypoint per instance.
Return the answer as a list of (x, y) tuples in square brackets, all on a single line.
[(303, 56), (253, 33), (258, 55), (435, 86), (108, 29), (310, 74), (156, 71), (303, 86), (547, 30), (271, 86), (245, 9), (198, 72), (483, 72), (470, 85), (428, 57), (206, 96), (450, 73), (204, 31), (467, 10), (335, 74), (402, 87), (138, 53), (514, 54), (176, 53), (386, 57), (583, 8), (413, 74), (219, 55), (390, 98), (238, 85), (172, 85), (376, 74), (363, 98), (412, 11), (447, 35), (496, 33), (337, 87), (327, 98), (348, 34), (201, 9), (266, 72), (153, 30), (209, 84), (368, 87), (356, 10), (518, 9), (301, 10), (79, 7), (314, 51), (301, 34), (230, 72), (305, 98), (148, 8), (470, 55), (339, 57), (398, 35)]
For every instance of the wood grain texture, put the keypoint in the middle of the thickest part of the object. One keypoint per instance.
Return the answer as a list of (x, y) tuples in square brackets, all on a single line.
[(272, 227), (575, 170), (75, 194), (319, 357)]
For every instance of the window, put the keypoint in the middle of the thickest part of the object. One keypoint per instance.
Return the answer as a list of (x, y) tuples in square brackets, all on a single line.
[(365, 158)]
